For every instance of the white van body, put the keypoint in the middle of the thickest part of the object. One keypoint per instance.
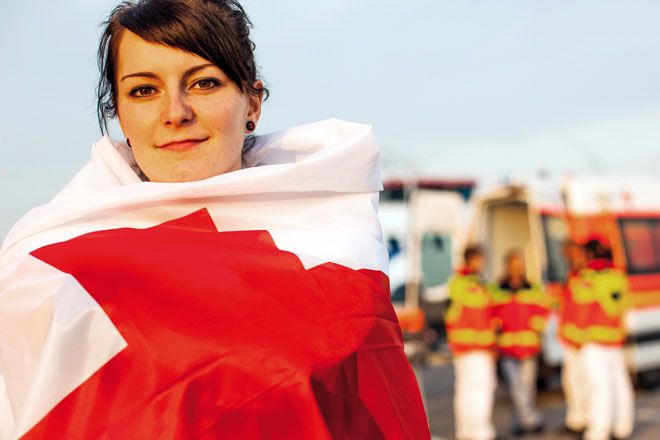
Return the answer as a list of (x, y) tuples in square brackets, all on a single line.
[(425, 233)]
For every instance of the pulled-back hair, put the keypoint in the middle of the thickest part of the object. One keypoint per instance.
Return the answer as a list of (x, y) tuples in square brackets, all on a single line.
[(472, 251), (216, 30), (596, 249)]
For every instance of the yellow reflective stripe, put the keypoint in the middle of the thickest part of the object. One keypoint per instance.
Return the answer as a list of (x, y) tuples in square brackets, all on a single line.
[(531, 296), (581, 289), (524, 338), (453, 313), (608, 288), (498, 295), (594, 333), (537, 323), (534, 296), (468, 291), (471, 336)]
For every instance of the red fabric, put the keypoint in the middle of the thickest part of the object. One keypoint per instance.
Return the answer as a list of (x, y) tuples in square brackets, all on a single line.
[(230, 337), (600, 264), (474, 319), (515, 316), (465, 271)]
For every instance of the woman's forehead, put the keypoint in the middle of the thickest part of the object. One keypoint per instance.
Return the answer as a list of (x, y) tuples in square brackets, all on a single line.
[(136, 54)]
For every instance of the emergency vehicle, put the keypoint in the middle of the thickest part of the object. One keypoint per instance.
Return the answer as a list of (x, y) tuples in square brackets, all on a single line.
[(539, 216), (423, 224)]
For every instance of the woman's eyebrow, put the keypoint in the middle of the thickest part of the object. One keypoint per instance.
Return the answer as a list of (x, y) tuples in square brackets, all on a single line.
[(194, 69), (140, 74), (152, 75)]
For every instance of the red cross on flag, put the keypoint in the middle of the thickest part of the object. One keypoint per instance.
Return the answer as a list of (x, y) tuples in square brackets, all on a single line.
[(253, 304)]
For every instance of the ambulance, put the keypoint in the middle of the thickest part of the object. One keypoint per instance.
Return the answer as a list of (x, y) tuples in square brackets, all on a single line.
[(424, 226), (539, 216)]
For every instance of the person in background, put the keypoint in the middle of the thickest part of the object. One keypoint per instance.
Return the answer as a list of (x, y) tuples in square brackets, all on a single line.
[(521, 309), (610, 399), (471, 336), (572, 317)]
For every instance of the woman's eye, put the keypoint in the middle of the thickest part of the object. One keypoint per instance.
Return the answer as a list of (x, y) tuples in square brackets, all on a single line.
[(141, 92), (206, 84)]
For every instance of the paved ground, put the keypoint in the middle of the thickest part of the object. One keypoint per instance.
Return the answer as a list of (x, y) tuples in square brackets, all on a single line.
[(437, 385)]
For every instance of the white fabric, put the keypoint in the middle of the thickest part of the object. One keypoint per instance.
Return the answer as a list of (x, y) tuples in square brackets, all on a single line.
[(610, 398), (314, 188), (474, 392), (6, 414), (312, 178), (574, 386), (51, 318)]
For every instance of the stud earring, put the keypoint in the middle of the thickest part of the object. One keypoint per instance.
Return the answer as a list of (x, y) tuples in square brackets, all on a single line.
[(250, 126)]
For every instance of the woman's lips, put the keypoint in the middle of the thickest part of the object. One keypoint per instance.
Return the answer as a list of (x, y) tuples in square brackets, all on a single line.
[(183, 145)]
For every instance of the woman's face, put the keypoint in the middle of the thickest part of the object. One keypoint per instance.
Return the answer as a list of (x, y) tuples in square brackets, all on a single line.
[(515, 266), (184, 118)]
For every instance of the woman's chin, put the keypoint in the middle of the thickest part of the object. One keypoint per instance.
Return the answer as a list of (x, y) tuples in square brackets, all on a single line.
[(181, 174)]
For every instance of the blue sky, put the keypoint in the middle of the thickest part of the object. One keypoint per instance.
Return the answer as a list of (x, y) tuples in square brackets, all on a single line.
[(454, 88)]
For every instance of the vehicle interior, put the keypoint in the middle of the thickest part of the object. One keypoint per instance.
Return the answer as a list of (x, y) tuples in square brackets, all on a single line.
[(507, 227)]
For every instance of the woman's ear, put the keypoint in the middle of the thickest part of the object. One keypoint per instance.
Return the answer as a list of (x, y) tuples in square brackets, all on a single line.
[(254, 103)]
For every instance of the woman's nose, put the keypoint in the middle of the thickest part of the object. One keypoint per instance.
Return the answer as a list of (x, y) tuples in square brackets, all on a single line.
[(177, 111)]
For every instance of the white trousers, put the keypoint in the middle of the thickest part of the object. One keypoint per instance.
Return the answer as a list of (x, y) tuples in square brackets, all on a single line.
[(610, 397), (574, 388), (474, 391)]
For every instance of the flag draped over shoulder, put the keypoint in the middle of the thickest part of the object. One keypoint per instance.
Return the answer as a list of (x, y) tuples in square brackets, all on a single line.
[(253, 304)]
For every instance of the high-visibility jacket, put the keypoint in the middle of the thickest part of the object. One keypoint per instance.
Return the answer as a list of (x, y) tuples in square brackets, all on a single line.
[(600, 295), (469, 317), (521, 316), (571, 315)]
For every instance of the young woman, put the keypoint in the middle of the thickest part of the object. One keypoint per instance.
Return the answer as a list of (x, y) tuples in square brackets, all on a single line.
[(521, 309), (196, 281)]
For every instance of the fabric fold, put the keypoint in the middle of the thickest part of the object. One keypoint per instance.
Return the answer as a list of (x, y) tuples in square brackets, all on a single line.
[(248, 304)]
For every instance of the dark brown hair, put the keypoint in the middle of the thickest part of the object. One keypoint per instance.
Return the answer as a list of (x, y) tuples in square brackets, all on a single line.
[(596, 249), (216, 30), (471, 252)]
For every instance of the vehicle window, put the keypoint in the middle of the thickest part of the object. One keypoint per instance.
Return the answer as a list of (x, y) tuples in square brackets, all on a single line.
[(392, 195), (641, 241), (393, 246), (555, 232), (436, 258), (398, 295)]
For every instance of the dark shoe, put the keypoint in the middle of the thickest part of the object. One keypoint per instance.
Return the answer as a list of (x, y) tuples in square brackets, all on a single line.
[(537, 429), (520, 431)]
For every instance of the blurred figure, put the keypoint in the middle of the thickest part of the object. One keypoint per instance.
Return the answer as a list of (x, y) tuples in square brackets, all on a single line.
[(471, 337), (572, 316), (521, 309), (604, 290)]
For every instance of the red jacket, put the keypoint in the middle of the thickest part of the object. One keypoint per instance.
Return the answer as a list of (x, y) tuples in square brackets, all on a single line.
[(521, 316)]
